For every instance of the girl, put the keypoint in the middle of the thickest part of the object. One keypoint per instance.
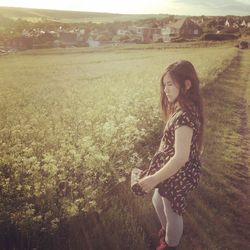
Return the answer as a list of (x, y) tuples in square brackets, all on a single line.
[(175, 167)]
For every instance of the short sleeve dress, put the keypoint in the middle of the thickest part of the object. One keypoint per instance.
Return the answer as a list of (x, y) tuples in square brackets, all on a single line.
[(176, 188)]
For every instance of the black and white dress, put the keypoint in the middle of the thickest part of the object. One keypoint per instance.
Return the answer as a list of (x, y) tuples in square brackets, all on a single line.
[(176, 188)]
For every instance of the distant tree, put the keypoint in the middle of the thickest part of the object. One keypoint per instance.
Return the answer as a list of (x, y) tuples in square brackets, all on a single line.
[(218, 37), (172, 18), (46, 37), (124, 38), (104, 37), (212, 23), (231, 30), (219, 27)]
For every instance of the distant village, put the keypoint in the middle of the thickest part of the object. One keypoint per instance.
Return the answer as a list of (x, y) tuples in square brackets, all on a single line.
[(156, 31)]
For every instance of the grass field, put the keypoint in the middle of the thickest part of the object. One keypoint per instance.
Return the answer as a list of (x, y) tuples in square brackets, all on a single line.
[(75, 112)]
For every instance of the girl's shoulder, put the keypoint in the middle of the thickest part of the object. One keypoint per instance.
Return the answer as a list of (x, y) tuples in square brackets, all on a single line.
[(186, 117)]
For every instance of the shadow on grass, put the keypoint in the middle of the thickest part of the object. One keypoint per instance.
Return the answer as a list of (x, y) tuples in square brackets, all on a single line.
[(216, 205)]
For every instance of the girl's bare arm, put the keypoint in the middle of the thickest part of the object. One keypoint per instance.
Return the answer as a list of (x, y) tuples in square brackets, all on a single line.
[(183, 137)]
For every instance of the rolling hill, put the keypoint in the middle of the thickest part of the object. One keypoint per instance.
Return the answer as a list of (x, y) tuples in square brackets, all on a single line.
[(35, 15)]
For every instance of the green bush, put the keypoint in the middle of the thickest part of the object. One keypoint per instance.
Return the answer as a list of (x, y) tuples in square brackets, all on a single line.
[(218, 37)]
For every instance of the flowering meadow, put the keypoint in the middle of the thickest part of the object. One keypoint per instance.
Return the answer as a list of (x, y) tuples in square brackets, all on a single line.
[(71, 122)]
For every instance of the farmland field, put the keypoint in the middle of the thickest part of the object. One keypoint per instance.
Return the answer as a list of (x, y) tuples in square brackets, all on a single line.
[(72, 122)]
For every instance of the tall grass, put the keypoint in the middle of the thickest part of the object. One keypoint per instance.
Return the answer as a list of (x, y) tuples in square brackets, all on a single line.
[(67, 122)]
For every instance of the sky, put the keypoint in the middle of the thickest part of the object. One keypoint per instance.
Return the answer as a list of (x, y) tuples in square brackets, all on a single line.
[(176, 7)]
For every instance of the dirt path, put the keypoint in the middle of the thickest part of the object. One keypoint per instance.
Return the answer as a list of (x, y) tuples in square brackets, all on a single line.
[(233, 92), (219, 212), (244, 130)]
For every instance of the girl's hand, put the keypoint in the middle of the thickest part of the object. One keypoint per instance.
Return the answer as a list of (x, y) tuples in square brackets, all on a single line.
[(148, 183)]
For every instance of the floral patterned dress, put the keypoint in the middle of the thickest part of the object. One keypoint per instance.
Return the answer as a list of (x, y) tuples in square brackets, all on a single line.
[(176, 188)]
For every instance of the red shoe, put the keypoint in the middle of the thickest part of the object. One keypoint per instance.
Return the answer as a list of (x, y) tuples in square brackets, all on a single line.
[(163, 245)]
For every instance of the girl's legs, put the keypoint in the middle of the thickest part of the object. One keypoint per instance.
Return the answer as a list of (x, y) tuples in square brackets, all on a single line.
[(174, 227), (158, 205)]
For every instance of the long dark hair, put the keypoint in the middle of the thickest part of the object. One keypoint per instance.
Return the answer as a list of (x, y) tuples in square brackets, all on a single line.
[(179, 72)]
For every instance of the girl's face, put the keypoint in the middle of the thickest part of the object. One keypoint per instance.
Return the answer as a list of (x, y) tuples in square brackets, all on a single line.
[(171, 88)]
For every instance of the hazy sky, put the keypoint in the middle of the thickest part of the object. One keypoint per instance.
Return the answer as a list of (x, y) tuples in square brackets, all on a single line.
[(178, 7)]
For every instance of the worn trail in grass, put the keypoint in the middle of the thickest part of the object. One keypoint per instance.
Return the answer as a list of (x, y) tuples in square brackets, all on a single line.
[(244, 163), (218, 212)]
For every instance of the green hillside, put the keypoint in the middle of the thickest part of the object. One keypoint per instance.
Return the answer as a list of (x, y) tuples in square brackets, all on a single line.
[(70, 16)]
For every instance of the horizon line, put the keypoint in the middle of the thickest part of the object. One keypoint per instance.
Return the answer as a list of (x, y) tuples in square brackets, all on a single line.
[(119, 13)]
